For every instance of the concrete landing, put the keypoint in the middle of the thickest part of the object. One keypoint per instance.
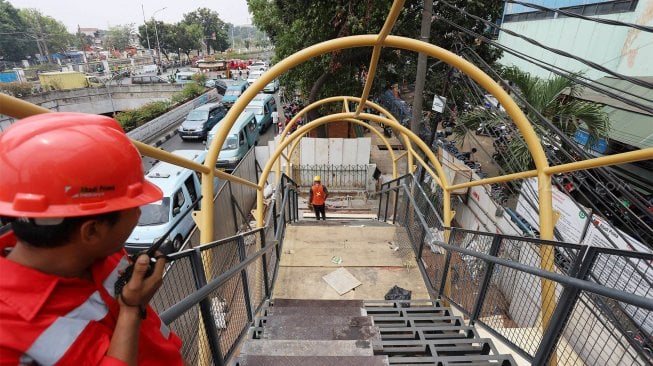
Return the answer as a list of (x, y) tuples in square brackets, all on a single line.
[(367, 252)]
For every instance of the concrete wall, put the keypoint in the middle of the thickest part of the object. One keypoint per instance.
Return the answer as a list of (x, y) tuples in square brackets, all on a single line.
[(97, 101), (621, 49)]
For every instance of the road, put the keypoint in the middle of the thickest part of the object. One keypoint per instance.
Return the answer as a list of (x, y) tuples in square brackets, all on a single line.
[(176, 143)]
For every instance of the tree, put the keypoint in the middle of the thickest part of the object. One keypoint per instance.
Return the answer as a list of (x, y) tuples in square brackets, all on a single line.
[(15, 44), (545, 96), (165, 33), (188, 37), (119, 37), (213, 28), (49, 34), (317, 21)]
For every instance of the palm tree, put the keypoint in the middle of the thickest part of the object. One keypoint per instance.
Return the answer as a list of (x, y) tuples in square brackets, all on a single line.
[(555, 99)]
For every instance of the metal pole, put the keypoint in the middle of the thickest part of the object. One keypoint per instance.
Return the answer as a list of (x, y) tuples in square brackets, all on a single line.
[(243, 274), (210, 330), (147, 35), (156, 33)]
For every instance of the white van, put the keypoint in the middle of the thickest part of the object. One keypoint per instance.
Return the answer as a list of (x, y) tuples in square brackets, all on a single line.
[(181, 188)]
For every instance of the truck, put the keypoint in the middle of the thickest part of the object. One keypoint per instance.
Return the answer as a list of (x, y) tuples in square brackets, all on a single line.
[(12, 76), (66, 80)]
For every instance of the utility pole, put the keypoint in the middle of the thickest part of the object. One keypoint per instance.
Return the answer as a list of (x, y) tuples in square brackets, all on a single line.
[(147, 35), (420, 77)]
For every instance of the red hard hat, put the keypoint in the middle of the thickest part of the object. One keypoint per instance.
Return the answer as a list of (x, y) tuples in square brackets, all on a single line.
[(70, 164)]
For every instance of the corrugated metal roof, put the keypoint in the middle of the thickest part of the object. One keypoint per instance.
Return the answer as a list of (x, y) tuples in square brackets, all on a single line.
[(629, 125)]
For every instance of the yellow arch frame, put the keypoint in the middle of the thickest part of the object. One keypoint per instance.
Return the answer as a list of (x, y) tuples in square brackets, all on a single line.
[(293, 121)]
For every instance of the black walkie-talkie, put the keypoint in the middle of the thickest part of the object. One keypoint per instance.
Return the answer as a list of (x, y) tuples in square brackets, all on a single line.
[(151, 251)]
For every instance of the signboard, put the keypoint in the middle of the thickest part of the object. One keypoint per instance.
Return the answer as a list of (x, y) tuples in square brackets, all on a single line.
[(439, 103), (582, 138), (620, 239), (572, 221)]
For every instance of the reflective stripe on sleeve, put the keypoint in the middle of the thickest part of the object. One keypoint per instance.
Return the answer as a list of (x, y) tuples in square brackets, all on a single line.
[(55, 341), (110, 282)]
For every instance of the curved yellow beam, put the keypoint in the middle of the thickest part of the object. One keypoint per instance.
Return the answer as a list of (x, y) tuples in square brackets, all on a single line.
[(390, 21), (294, 120), (339, 117), (298, 139)]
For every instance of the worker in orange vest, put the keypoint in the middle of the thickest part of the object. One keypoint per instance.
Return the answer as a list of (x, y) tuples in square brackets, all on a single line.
[(318, 196)]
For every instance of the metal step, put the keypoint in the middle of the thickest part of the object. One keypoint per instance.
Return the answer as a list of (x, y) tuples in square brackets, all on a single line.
[(342, 332), (300, 310), (312, 361), (307, 348), (301, 320), (317, 303)]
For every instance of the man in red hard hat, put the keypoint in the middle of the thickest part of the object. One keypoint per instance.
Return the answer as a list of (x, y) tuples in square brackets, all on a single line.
[(71, 186)]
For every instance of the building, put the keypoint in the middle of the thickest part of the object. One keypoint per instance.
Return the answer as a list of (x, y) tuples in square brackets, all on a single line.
[(624, 50)]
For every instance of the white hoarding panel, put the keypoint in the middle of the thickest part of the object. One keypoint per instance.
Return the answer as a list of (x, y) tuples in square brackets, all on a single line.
[(335, 151), (349, 151), (321, 151)]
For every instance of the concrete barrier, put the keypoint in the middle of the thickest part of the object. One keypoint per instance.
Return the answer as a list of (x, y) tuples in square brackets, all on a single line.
[(166, 121)]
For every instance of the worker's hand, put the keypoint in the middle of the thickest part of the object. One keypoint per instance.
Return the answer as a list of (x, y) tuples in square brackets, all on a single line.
[(141, 288)]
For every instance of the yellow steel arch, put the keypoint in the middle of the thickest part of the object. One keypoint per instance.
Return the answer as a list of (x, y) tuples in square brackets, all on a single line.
[(296, 141), (438, 175), (294, 120)]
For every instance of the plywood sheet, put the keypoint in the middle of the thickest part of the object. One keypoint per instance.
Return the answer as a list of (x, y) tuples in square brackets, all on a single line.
[(336, 151), (363, 150), (349, 151), (307, 151), (321, 151), (341, 280)]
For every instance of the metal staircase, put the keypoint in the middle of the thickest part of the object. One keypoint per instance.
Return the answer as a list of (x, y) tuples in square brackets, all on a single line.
[(364, 333)]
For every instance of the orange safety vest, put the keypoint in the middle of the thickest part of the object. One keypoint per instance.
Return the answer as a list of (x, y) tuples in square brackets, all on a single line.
[(318, 194)]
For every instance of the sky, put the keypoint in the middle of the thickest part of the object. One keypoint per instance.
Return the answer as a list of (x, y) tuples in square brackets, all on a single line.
[(107, 13)]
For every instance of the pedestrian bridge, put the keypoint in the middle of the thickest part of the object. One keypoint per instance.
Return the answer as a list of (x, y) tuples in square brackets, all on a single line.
[(251, 289), (101, 100)]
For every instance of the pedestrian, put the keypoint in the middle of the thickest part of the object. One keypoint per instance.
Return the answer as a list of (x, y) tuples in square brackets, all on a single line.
[(275, 120), (317, 198), (64, 251), (240, 74)]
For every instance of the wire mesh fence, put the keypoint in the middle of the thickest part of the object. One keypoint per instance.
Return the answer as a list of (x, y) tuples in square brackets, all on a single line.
[(497, 281), (211, 293), (335, 177)]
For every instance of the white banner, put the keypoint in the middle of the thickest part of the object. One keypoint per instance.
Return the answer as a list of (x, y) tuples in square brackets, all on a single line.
[(572, 220), (438, 103)]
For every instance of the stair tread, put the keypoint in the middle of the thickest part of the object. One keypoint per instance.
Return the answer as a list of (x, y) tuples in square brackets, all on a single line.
[(307, 348), (317, 320), (313, 360), (317, 303), (299, 310), (327, 332)]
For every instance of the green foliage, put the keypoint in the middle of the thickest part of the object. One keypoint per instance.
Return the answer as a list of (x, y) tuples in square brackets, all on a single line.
[(190, 91), (214, 30), (294, 25), (133, 118), (187, 37), (199, 78), (17, 89), (53, 35), (166, 36), (119, 36), (546, 96), (15, 45)]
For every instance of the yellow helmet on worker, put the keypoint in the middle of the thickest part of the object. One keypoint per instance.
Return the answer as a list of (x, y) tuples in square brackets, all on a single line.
[(317, 178)]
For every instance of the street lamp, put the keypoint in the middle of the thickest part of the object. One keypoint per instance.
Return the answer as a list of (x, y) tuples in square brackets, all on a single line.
[(156, 33), (147, 35)]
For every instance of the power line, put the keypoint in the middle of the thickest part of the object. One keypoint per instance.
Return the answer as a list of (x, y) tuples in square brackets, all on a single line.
[(555, 50), (574, 15), (568, 74), (606, 175)]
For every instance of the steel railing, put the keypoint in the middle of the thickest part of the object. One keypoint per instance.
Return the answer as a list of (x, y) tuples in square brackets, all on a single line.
[(495, 281), (211, 293)]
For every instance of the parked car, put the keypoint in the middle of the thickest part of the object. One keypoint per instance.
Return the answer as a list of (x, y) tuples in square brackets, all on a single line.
[(242, 136), (259, 65), (184, 77), (262, 106), (173, 213), (200, 121), (272, 86), (218, 84), (233, 93), (149, 79), (253, 76)]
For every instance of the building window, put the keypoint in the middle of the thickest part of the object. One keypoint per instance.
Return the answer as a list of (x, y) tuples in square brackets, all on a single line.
[(608, 7)]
